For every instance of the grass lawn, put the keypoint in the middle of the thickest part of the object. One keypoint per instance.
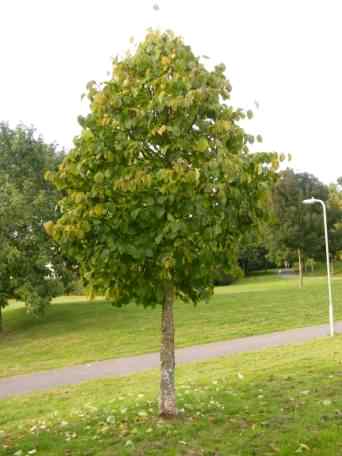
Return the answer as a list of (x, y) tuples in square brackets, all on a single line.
[(77, 331), (283, 401)]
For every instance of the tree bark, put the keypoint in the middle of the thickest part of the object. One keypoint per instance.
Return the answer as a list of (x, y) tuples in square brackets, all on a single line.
[(167, 357), (300, 267)]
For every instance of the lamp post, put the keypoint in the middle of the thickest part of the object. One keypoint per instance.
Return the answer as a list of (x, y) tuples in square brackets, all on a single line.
[(331, 309)]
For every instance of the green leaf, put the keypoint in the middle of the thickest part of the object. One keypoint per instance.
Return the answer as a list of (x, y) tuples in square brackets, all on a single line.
[(99, 178), (202, 145)]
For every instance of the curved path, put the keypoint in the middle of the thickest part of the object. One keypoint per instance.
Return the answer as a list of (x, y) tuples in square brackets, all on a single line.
[(73, 375)]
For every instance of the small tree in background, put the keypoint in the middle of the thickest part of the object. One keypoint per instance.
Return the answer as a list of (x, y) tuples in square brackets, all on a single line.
[(159, 186), (31, 268)]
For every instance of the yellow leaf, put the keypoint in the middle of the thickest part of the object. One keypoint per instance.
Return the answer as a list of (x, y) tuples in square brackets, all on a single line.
[(162, 130), (165, 60), (106, 120), (99, 210), (99, 98), (48, 227)]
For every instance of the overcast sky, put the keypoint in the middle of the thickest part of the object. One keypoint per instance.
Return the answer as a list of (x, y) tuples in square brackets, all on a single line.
[(284, 54)]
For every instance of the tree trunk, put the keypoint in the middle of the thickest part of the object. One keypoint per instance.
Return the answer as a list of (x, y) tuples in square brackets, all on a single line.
[(167, 358), (300, 267)]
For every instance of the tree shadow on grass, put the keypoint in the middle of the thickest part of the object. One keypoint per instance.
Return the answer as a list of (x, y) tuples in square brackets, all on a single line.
[(63, 318), (68, 316)]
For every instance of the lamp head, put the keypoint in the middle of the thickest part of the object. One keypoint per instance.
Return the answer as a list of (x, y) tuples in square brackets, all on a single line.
[(311, 200)]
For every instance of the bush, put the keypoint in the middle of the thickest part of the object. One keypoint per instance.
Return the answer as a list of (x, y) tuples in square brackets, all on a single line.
[(75, 287), (227, 278)]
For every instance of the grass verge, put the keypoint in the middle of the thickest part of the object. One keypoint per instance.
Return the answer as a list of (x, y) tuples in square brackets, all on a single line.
[(283, 401), (78, 331)]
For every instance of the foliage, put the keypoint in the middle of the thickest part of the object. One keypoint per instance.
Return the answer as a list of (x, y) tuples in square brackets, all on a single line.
[(222, 278), (159, 185), (297, 226), (335, 218), (31, 268), (253, 252)]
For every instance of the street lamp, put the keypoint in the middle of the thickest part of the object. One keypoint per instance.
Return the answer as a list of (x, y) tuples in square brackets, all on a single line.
[(331, 310)]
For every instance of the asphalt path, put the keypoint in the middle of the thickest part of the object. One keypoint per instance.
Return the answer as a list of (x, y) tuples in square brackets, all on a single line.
[(73, 375)]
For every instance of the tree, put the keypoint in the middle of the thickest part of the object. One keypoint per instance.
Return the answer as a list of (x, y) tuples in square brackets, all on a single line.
[(159, 186), (253, 253), (31, 268), (298, 229), (335, 220)]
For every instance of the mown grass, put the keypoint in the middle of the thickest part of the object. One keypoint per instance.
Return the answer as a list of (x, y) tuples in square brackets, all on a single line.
[(284, 401), (77, 331)]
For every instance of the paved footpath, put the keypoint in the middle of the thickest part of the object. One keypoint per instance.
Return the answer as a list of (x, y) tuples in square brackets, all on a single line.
[(120, 367)]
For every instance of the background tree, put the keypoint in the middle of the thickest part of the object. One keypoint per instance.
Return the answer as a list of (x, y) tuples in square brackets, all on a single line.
[(31, 268), (298, 229), (159, 186), (253, 251), (335, 220)]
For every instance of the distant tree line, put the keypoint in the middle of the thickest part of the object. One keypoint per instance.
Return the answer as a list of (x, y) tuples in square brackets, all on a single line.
[(295, 235)]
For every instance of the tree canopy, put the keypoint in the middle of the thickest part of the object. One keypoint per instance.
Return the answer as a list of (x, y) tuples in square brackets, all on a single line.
[(158, 185), (299, 226)]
